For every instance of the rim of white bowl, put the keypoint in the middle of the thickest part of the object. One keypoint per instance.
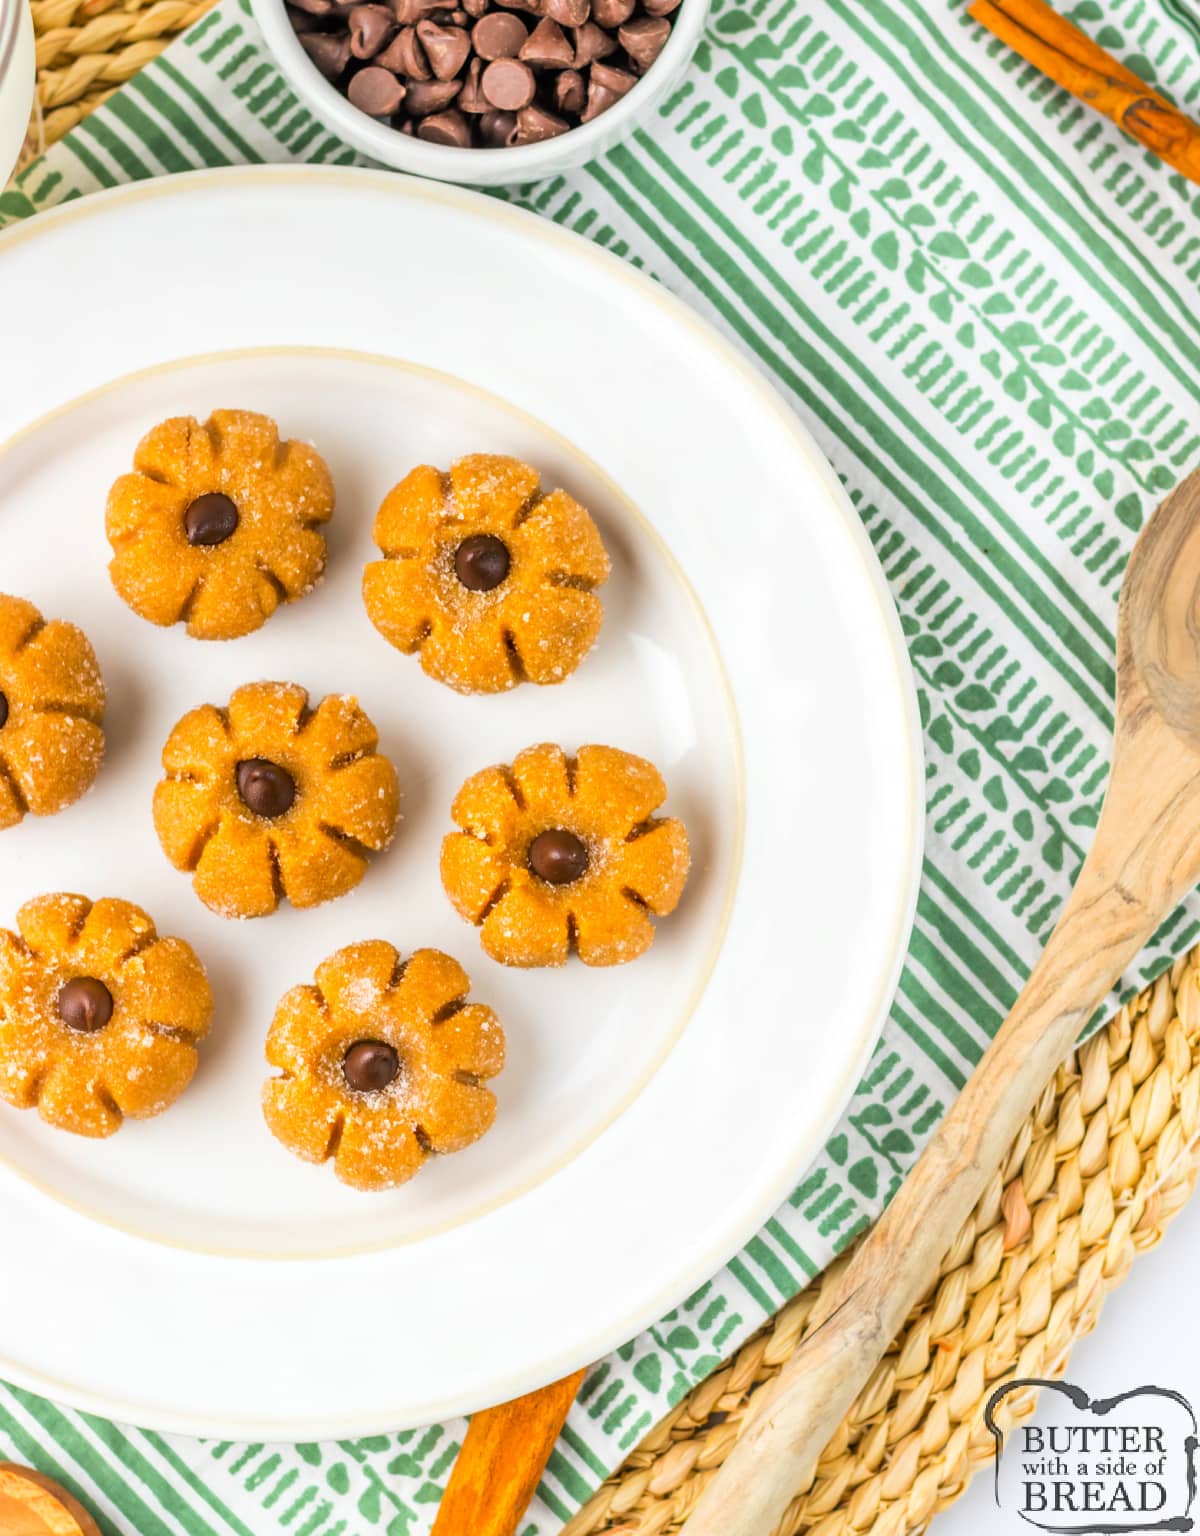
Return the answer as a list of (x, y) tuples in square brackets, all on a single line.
[(444, 162), (10, 22)]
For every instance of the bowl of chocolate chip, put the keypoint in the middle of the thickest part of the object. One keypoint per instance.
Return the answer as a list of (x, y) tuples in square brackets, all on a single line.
[(482, 91)]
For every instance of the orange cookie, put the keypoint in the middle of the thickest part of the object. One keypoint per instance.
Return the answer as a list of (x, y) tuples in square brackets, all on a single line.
[(218, 524), (560, 853), (269, 799), (490, 580), (51, 713), (99, 1017), (381, 1064)]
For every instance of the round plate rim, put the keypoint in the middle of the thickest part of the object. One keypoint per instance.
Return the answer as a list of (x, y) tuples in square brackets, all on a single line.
[(753, 1213)]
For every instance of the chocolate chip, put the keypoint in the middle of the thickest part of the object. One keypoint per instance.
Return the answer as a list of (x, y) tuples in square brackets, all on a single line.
[(428, 96), (591, 43), (498, 35), (446, 48), (598, 100), (605, 88), (471, 97), (548, 46), (570, 91), (329, 51), (210, 519), (558, 856), (376, 91), (481, 562), (644, 39), (370, 1066), (535, 124), (268, 789), (409, 12), (371, 29), (496, 129), (405, 56), (474, 72), (446, 128), (612, 13), (3, 711), (618, 81), (302, 22), (508, 84), (85, 1005)]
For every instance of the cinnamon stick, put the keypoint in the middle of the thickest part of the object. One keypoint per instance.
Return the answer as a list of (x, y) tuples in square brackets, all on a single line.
[(1052, 44)]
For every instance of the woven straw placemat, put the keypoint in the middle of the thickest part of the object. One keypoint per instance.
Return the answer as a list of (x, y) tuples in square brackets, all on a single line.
[(86, 49), (1102, 1165)]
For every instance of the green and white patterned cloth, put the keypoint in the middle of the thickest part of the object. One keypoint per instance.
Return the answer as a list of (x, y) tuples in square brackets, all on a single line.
[(983, 302)]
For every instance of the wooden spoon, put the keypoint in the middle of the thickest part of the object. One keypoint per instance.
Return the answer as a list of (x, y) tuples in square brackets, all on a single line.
[(503, 1457), (1145, 857), (33, 1505)]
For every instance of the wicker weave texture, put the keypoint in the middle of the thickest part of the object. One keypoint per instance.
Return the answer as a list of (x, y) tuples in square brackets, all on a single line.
[(1101, 1166), (87, 48)]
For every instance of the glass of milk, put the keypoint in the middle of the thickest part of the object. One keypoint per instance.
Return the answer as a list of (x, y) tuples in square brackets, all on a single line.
[(17, 76)]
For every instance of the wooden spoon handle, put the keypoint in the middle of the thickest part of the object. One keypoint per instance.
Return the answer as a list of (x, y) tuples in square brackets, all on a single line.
[(503, 1457), (34, 1505), (1102, 928)]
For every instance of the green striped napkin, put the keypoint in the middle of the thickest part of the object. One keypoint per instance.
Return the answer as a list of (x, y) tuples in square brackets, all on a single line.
[(983, 301)]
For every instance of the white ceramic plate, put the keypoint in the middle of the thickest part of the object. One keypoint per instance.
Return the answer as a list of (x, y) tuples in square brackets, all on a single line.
[(189, 1274)]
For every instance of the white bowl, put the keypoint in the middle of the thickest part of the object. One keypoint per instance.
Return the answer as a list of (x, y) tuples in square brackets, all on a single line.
[(479, 167)]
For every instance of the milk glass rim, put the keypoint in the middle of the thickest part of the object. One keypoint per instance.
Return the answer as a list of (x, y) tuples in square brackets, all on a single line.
[(10, 26)]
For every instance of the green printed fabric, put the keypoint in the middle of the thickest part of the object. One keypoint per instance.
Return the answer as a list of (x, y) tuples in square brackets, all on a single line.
[(983, 301)]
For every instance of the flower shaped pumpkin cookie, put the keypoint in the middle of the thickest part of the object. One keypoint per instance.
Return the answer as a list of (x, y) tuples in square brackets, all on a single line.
[(381, 1063), (558, 854), (490, 580), (51, 713), (99, 1017), (218, 524), (269, 799)]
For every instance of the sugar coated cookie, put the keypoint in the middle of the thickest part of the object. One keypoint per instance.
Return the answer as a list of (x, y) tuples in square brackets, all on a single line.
[(558, 854), (99, 1016), (268, 799), (490, 580), (51, 713), (381, 1063), (218, 524)]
